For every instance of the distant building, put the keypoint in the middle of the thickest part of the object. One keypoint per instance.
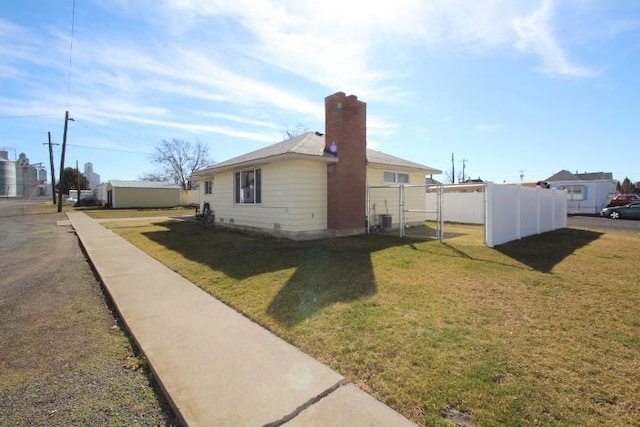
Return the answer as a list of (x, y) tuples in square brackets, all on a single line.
[(587, 193), (27, 182), (8, 182), (140, 194), (93, 179)]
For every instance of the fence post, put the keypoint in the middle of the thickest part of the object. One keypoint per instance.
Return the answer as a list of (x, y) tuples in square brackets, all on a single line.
[(488, 223), (401, 209)]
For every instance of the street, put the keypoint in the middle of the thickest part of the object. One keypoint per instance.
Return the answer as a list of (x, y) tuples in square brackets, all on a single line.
[(65, 360)]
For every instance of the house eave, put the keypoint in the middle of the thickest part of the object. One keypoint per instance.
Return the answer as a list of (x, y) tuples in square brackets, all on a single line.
[(205, 173), (403, 168)]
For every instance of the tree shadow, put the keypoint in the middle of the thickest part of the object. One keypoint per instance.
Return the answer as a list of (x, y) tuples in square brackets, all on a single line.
[(543, 252), (327, 271)]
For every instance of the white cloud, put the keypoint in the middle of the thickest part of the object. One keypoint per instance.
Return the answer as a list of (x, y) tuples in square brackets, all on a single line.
[(194, 127), (240, 119), (535, 34), (336, 43)]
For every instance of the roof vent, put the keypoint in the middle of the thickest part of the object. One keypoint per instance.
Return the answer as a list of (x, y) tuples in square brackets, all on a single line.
[(319, 134)]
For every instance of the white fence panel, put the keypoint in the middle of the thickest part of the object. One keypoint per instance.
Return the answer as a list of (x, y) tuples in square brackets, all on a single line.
[(463, 207), (190, 197), (514, 212)]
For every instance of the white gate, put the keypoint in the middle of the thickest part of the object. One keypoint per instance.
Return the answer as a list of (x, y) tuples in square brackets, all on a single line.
[(405, 208)]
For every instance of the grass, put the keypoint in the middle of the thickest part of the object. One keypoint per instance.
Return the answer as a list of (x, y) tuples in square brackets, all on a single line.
[(541, 331), (106, 213)]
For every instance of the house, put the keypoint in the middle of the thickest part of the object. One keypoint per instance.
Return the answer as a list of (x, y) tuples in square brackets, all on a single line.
[(587, 193), (141, 194), (311, 186)]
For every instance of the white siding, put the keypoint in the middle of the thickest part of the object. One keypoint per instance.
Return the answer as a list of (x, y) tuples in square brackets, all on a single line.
[(294, 198), (597, 194), (385, 201)]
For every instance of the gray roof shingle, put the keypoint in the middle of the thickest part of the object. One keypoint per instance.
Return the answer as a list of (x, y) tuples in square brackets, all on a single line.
[(565, 175), (312, 144), (141, 184)]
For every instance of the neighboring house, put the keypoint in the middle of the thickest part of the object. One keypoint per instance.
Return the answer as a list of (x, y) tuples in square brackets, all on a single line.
[(587, 193), (142, 194), (311, 186)]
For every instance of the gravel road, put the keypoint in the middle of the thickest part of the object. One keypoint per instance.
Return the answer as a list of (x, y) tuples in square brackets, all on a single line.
[(64, 360)]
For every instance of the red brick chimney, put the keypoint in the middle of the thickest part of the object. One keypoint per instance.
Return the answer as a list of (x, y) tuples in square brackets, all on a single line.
[(346, 138)]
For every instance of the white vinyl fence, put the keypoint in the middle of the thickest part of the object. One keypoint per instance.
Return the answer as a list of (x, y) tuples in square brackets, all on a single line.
[(464, 207), (508, 212), (514, 212), (190, 197)]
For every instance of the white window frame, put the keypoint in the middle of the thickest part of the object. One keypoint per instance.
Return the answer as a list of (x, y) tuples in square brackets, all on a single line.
[(251, 193), (576, 192), (396, 176), (208, 187)]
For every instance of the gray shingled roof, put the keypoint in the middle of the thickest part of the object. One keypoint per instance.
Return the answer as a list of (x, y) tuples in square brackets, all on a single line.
[(311, 144), (565, 175), (141, 184)]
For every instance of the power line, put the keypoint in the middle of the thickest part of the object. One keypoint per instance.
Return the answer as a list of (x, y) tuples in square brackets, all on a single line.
[(124, 132), (109, 149), (27, 116)]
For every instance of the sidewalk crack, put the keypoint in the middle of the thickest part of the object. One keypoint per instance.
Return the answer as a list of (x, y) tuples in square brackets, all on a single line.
[(307, 404)]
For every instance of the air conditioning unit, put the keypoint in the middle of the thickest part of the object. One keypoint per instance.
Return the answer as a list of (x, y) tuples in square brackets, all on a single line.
[(384, 221)]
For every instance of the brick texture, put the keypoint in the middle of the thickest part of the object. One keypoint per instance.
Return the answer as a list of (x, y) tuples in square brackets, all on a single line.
[(346, 129)]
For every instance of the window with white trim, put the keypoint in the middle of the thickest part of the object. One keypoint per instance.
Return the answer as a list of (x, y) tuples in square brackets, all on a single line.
[(395, 177), (248, 187), (576, 192), (208, 187)]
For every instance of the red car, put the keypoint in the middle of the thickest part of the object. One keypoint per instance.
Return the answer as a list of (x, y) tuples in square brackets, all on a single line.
[(624, 199)]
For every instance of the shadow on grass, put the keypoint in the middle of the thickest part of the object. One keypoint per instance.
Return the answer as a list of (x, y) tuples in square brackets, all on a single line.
[(543, 252), (326, 271)]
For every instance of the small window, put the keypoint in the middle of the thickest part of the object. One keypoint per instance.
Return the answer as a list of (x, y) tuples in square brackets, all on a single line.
[(248, 187), (208, 187), (575, 192), (395, 177), (389, 177)]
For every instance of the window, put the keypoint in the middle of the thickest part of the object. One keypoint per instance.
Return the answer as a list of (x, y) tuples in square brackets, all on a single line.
[(208, 187), (396, 177), (389, 177), (576, 192), (248, 187)]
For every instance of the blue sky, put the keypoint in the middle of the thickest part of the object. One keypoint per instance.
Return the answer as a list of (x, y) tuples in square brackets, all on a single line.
[(514, 87)]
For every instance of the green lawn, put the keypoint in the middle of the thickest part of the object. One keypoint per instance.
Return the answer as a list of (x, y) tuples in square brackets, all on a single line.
[(106, 213), (542, 331)]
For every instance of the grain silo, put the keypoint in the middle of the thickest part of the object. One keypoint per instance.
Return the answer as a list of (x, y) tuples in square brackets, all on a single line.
[(8, 183), (26, 177)]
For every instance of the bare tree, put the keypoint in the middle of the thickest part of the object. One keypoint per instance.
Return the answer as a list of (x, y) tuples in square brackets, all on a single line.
[(180, 159), (290, 132), (153, 176)]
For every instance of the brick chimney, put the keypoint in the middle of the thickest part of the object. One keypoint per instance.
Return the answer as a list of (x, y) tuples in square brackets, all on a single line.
[(346, 138)]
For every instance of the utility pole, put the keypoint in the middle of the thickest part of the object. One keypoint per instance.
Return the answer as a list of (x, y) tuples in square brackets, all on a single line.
[(464, 166), (78, 179), (453, 170), (521, 176), (53, 173), (64, 147)]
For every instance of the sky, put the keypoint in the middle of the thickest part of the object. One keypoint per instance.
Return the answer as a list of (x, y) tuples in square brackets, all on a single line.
[(513, 90)]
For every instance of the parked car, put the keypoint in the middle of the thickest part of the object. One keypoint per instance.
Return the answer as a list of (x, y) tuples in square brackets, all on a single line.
[(627, 211), (624, 199)]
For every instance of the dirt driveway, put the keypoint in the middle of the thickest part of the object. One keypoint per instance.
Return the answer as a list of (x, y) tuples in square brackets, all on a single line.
[(64, 361)]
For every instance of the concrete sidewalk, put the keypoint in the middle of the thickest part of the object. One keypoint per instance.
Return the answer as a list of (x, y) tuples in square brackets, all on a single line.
[(216, 367)]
